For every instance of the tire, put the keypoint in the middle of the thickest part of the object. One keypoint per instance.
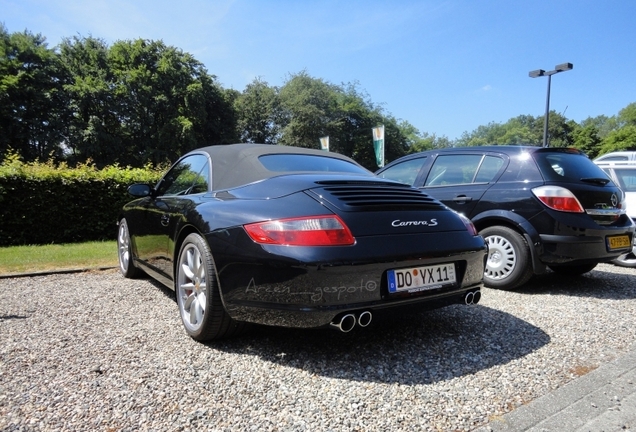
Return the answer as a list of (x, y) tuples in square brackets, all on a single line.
[(200, 307), (573, 270), (125, 254), (508, 265)]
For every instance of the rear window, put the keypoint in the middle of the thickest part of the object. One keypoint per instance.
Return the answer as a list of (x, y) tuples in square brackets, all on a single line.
[(557, 166), (308, 163)]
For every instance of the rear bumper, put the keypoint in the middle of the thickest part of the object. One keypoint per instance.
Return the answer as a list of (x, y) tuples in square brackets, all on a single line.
[(309, 287), (559, 249), (286, 315)]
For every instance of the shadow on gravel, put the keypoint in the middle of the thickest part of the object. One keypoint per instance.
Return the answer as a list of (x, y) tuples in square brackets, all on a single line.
[(410, 348), (601, 283), (423, 347)]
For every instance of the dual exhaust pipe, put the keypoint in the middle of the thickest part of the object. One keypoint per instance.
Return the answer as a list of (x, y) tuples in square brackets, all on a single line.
[(347, 322), (472, 297)]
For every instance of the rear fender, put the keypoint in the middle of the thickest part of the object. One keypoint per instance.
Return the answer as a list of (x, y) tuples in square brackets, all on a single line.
[(519, 224), (176, 247)]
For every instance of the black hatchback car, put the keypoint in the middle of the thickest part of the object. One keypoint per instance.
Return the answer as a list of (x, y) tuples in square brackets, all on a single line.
[(536, 207)]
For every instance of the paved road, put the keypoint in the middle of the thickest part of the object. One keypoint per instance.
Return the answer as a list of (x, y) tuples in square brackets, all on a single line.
[(602, 400)]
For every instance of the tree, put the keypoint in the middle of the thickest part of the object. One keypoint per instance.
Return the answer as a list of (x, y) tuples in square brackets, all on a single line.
[(307, 107), (483, 135), (158, 95), (312, 108), (94, 130), (33, 105), (627, 116), (619, 140), (216, 120), (141, 101), (351, 124), (524, 129), (616, 133), (417, 141), (603, 124), (258, 112), (560, 130), (587, 140)]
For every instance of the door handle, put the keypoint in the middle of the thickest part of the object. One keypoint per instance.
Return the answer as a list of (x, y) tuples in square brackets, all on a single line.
[(165, 219), (461, 199)]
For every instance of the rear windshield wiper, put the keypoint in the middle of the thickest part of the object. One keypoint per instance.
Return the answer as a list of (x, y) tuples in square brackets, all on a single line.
[(597, 180)]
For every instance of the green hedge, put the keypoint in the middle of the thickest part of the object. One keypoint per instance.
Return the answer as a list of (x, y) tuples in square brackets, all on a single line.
[(42, 204)]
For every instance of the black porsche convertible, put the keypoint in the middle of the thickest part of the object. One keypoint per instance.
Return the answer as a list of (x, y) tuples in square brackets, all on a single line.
[(286, 236)]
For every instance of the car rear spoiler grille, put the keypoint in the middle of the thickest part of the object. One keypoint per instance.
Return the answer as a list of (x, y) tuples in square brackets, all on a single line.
[(375, 195)]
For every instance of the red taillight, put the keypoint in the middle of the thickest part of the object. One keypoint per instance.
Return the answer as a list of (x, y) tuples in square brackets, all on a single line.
[(558, 198), (305, 231)]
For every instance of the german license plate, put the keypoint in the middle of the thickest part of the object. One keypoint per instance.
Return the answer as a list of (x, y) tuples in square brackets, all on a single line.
[(618, 242), (421, 278)]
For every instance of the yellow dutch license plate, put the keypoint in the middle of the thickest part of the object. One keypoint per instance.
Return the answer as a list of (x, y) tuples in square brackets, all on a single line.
[(618, 242)]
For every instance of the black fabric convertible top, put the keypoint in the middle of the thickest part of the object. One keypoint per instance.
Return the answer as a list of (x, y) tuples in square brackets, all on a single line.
[(238, 164)]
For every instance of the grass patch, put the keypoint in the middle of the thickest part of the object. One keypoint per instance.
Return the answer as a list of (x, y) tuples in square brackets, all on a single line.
[(26, 259)]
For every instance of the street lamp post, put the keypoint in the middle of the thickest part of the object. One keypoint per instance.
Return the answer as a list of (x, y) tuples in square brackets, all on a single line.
[(538, 73)]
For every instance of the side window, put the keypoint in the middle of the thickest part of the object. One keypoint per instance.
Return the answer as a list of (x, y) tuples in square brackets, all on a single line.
[(489, 168), (202, 182), (404, 172), (627, 178), (522, 168), (453, 170), (189, 176)]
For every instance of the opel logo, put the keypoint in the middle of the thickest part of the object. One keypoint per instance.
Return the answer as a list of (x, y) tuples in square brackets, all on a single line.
[(614, 200)]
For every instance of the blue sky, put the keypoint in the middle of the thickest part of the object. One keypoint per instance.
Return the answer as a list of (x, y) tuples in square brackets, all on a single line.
[(446, 67)]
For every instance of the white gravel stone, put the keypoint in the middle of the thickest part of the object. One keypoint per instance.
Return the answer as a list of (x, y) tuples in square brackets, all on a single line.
[(94, 351)]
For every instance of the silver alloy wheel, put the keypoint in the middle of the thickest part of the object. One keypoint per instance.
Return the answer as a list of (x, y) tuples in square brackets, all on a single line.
[(192, 287), (123, 243), (502, 258)]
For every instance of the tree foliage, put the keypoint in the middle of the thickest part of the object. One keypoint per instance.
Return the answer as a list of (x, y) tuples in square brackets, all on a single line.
[(134, 102), (305, 109), (33, 113), (141, 101), (258, 113), (623, 135)]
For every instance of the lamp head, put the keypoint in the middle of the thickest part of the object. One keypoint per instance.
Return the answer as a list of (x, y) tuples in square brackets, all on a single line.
[(564, 67), (536, 73)]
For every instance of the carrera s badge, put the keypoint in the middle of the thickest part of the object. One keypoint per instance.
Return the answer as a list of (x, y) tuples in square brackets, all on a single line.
[(398, 223)]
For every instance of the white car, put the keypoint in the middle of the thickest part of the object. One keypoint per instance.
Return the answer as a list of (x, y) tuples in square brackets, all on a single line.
[(617, 156), (623, 173)]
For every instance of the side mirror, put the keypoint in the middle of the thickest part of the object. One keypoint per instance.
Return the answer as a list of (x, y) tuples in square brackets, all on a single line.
[(140, 190)]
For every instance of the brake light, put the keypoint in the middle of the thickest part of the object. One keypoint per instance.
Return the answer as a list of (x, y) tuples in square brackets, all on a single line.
[(306, 231), (558, 198)]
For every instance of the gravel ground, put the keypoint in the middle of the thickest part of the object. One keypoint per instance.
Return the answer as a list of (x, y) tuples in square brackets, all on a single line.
[(94, 351)]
